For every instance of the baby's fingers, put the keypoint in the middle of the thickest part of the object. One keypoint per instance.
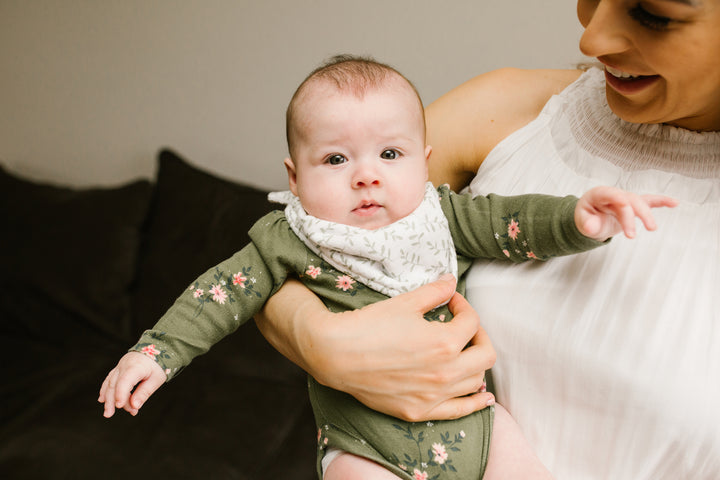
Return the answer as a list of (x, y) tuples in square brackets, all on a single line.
[(107, 393), (143, 392), (625, 214), (644, 204), (655, 201)]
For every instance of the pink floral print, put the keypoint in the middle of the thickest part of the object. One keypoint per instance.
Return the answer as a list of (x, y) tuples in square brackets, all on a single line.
[(313, 272), (239, 279), (151, 351), (344, 283), (511, 240), (439, 452), (418, 475), (513, 229), (438, 458), (218, 294)]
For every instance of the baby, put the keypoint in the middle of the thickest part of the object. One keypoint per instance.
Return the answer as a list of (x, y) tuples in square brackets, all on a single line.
[(361, 224)]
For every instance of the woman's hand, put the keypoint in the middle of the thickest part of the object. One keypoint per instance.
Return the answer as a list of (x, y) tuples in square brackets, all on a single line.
[(387, 355)]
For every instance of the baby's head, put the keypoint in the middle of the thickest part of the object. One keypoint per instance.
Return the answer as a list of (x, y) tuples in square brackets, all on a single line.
[(356, 137)]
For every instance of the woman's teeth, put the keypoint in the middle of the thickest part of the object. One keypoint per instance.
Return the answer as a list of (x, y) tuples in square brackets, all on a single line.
[(619, 73)]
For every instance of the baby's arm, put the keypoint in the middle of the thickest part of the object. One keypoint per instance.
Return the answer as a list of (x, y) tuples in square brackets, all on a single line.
[(215, 305), (606, 211)]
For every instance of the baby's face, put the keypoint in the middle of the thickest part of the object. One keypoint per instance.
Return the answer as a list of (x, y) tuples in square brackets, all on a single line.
[(360, 161)]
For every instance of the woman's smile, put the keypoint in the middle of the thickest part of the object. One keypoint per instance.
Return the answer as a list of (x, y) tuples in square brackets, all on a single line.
[(626, 83)]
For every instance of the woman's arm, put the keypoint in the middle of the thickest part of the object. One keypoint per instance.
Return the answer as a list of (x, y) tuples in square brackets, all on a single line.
[(386, 354), (466, 123)]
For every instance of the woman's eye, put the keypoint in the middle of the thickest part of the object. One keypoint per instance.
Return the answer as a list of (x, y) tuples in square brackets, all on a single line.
[(336, 159), (389, 154), (649, 20)]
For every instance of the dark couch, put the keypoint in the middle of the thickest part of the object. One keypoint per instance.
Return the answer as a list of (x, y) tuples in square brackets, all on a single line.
[(84, 271)]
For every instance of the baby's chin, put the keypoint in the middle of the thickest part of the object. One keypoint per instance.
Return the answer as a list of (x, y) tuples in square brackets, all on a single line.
[(374, 224), (375, 220)]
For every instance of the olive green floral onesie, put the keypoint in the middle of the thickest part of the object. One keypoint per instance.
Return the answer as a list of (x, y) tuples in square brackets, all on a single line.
[(219, 301)]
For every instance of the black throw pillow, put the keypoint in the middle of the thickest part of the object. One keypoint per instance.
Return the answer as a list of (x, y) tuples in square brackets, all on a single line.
[(196, 220), (75, 248)]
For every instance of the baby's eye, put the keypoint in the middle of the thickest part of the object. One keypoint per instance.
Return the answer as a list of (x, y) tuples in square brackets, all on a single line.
[(389, 154), (336, 159)]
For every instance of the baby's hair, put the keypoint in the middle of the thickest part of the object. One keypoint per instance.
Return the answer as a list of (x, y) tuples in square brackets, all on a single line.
[(348, 73)]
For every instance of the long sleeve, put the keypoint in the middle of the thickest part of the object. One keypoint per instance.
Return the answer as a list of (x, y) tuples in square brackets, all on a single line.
[(518, 228), (221, 299)]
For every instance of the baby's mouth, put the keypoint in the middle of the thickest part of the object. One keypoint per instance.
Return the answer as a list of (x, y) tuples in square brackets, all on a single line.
[(367, 208)]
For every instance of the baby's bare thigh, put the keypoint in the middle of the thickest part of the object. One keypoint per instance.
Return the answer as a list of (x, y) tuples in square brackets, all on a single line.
[(511, 457), (347, 466)]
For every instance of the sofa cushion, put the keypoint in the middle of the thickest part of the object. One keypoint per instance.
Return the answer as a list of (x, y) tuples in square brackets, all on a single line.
[(241, 412), (196, 220), (77, 247)]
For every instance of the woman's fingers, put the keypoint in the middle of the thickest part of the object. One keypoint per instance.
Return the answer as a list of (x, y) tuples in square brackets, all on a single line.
[(389, 357), (460, 406), (445, 381), (431, 295)]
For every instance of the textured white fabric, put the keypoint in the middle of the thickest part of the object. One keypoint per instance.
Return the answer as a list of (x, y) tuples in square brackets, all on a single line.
[(330, 454), (394, 259), (610, 360)]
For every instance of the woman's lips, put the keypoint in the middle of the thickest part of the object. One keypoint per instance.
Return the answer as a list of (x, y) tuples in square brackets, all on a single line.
[(627, 84)]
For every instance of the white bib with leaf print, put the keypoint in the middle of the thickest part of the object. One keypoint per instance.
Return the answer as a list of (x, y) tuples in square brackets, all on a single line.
[(394, 259)]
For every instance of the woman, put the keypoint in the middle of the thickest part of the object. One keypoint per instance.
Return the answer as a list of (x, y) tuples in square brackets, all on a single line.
[(623, 387)]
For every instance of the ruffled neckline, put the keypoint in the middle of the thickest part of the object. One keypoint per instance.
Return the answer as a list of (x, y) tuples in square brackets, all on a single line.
[(633, 146)]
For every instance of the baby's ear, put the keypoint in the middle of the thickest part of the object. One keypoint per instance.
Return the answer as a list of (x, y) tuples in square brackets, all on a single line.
[(428, 151), (292, 175)]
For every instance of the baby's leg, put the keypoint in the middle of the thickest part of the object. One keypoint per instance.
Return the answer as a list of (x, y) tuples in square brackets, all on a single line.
[(347, 466), (511, 456)]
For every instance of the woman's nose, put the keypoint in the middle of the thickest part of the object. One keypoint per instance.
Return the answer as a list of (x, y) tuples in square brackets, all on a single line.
[(606, 28)]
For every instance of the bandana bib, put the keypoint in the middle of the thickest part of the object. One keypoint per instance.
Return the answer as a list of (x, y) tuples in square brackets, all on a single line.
[(394, 259)]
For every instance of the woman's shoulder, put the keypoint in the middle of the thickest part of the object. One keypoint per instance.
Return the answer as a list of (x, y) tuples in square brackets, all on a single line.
[(535, 86), (509, 96), (466, 123)]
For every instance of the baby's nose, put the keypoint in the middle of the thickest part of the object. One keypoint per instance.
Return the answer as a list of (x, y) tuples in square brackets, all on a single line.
[(366, 176)]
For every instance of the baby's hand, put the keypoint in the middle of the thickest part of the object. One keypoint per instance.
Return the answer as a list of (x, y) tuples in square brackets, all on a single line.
[(133, 369), (605, 211)]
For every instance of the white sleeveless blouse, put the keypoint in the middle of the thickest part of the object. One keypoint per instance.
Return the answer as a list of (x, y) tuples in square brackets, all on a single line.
[(610, 360)]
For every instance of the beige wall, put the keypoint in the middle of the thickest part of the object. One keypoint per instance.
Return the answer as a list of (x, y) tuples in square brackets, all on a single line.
[(90, 89)]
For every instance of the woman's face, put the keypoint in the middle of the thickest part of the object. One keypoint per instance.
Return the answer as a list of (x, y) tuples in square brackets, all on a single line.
[(662, 58)]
